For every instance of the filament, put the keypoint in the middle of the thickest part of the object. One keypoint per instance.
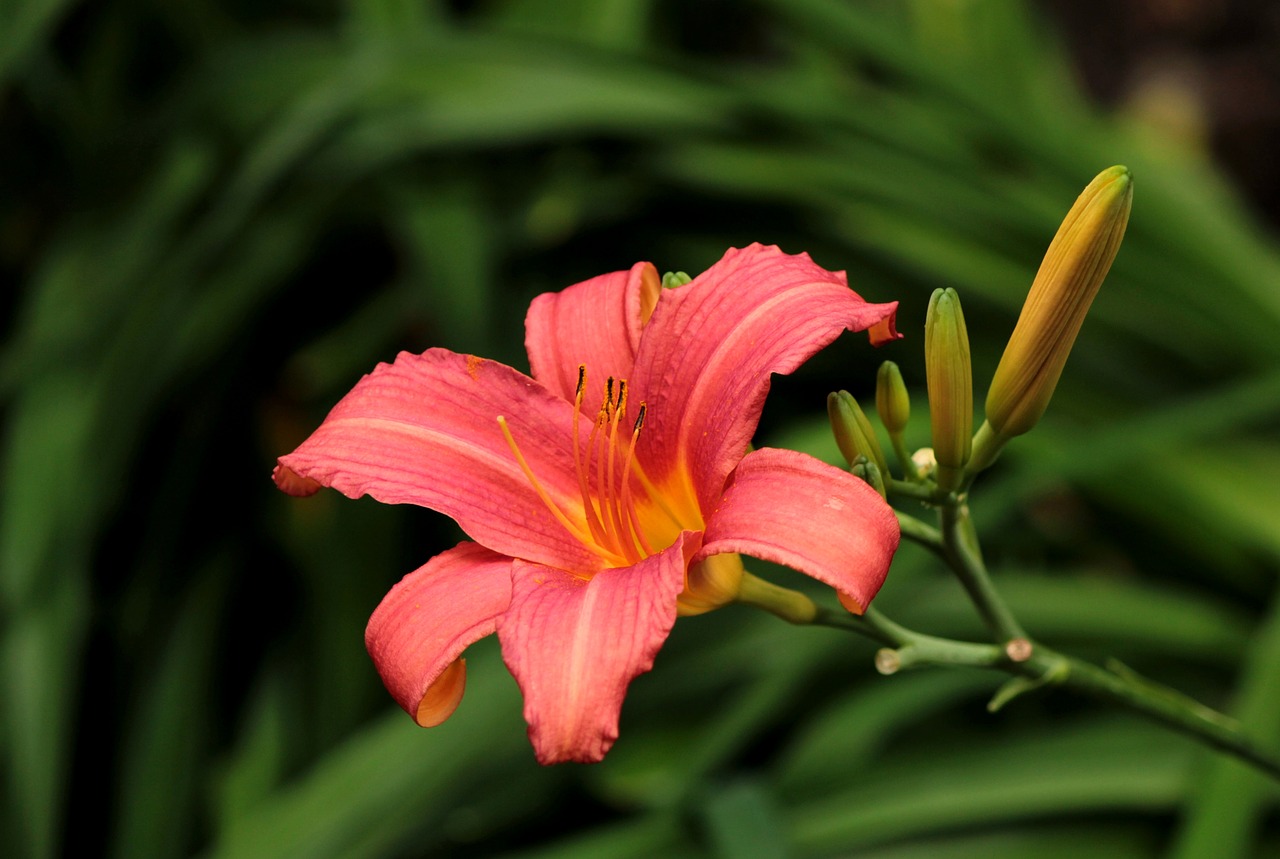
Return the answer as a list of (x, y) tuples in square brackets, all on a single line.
[(546, 499), (612, 525), (588, 503)]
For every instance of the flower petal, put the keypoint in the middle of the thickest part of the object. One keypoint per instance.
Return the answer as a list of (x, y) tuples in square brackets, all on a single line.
[(574, 646), (419, 630), (789, 508), (424, 431), (705, 359), (595, 323), (291, 484)]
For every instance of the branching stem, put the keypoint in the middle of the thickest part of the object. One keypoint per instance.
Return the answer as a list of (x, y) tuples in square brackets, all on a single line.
[(1030, 664)]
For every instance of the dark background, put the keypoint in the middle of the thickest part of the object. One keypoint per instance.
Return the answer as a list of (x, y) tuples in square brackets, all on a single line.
[(215, 216)]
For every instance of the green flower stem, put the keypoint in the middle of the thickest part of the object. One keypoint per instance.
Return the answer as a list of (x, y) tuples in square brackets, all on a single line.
[(1032, 666), (1171, 708), (918, 532), (904, 457), (987, 445), (965, 559), (1224, 813), (907, 648), (924, 492), (910, 647)]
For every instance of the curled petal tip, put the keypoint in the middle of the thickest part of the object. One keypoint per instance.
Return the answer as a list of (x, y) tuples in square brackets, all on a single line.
[(443, 696), (850, 603), (886, 330), (292, 483)]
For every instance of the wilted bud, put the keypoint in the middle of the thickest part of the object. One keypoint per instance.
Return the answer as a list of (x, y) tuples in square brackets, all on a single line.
[(892, 400), (854, 433), (950, 381), (1073, 268), (923, 462)]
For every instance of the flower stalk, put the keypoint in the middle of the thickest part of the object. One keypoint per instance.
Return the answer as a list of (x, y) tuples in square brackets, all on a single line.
[(1030, 664), (1072, 271)]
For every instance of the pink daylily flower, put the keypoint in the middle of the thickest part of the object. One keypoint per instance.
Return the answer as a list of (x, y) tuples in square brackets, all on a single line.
[(606, 494)]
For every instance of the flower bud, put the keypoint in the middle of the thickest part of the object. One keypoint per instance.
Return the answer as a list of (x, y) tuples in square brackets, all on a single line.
[(1073, 268), (867, 471), (892, 400), (854, 433), (950, 382)]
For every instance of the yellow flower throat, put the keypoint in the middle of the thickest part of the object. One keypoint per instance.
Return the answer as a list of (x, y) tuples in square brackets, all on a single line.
[(617, 525)]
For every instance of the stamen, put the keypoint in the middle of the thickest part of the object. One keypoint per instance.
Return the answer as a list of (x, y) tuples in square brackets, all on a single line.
[(602, 472), (546, 499), (612, 526), (588, 503), (601, 430), (633, 517), (652, 491), (612, 497)]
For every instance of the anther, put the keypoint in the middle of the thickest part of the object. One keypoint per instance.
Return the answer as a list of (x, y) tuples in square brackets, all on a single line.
[(640, 417)]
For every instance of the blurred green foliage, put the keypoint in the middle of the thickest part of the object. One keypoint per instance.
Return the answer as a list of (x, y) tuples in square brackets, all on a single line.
[(216, 216)]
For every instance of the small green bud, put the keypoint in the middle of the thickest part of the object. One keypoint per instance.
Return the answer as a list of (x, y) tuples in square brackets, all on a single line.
[(867, 471), (672, 279), (892, 400), (950, 381), (854, 433), (894, 405)]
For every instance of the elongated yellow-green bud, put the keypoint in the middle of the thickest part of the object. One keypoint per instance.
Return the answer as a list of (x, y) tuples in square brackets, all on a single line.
[(950, 381), (892, 400), (1073, 268), (854, 433)]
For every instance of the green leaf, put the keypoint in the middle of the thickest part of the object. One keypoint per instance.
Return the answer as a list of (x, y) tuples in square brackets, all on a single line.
[(168, 730), (743, 822)]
